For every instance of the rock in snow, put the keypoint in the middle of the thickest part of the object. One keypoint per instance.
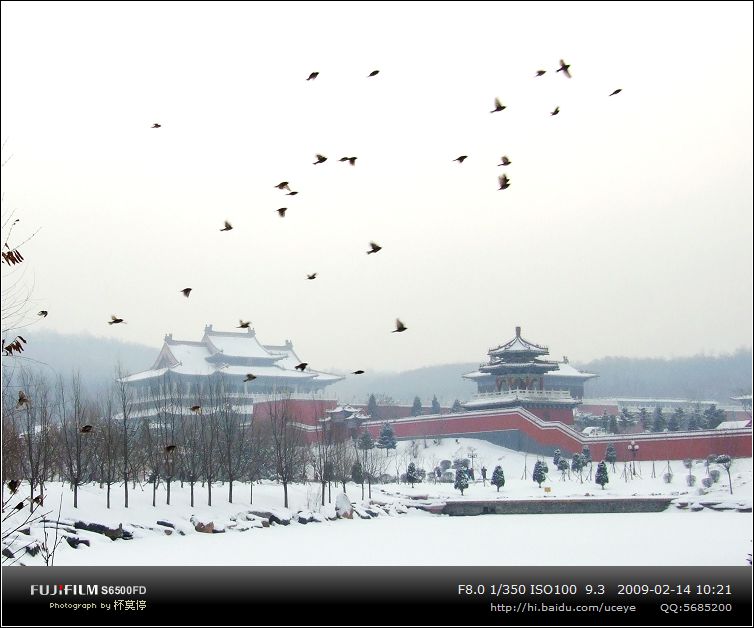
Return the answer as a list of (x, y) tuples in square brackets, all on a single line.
[(343, 506)]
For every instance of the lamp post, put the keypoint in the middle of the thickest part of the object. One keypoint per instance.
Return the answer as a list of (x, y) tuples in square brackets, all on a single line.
[(633, 448)]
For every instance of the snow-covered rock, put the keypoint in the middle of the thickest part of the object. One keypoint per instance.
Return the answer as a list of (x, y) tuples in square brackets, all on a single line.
[(343, 506)]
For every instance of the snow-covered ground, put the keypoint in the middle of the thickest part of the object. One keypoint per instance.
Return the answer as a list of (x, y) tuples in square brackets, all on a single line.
[(402, 535)]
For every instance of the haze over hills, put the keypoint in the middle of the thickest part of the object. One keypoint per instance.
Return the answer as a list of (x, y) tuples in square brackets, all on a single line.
[(700, 377)]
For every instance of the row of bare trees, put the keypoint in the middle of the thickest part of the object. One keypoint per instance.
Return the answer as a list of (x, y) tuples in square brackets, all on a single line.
[(158, 436)]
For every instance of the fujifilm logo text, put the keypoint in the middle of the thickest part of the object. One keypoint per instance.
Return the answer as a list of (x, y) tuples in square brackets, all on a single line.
[(64, 589)]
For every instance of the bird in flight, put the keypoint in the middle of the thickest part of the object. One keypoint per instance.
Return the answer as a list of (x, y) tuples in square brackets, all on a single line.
[(504, 161), (359, 372), (555, 112), (13, 485), (156, 126), (186, 292), (170, 449), (320, 159), (312, 76), (399, 326), (351, 160), (374, 248), (564, 68), (281, 211), (196, 409), (115, 320), (498, 106), (504, 181), (461, 158), (249, 377), (243, 324), (42, 313), (302, 367), (541, 72), (22, 399), (283, 185), (312, 276), (85, 429), (227, 227), (373, 73), (291, 193), (617, 91)]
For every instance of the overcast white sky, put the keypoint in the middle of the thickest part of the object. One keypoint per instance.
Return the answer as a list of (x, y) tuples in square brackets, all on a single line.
[(627, 229)]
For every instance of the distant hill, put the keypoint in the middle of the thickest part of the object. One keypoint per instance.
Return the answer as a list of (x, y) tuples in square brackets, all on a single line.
[(697, 377)]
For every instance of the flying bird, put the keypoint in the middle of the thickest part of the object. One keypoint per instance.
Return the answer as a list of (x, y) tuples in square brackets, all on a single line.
[(555, 112), (504, 161), (291, 193), (498, 106), (13, 485), (312, 276), (281, 211), (170, 449), (504, 181), (156, 126), (196, 409), (320, 159), (39, 499), (302, 367), (42, 313), (541, 72), (373, 73), (85, 429), (186, 292), (249, 377), (115, 320), (359, 372), (461, 158), (351, 160), (374, 248), (399, 326), (617, 91), (22, 399), (283, 185), (243, 324), (227, 227), (564, 68), (312, 76), (19, 505)]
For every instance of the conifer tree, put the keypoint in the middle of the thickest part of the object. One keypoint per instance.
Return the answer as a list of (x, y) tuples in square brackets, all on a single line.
[(601, 476), (612, 425), (644, 419), (563, 467), (539, 474), (436, 409), (372, 408), (556, 458), (462, 481), (387, 438), (726, 462), (659, 423), (611, 455), (498, 477), (456, 406), (577, 465), (357, 473), (416, 409), (411, 475)]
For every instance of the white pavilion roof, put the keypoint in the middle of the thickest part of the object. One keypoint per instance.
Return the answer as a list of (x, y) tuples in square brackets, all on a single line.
[(566, 370)]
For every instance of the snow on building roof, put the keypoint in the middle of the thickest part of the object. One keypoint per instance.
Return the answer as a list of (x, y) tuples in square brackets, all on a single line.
[(566, 370), (518, 344), (732, 425), (477, 375), (244, 344)]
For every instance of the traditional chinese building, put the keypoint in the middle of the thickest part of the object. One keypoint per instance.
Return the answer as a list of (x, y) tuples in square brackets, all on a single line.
[(518, 374), (189, 369)]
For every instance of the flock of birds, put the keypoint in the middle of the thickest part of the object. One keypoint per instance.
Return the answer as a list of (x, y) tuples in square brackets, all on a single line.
[(503, 180)]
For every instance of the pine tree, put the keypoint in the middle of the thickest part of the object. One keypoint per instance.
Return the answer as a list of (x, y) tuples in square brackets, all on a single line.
[(586, 454), (462, 481), (577, 465), (372, 408), (644, 419), (387, 438), (612, 425), (601, 476), (456, 406), (412, 476), (605, 421), (563, 467), (539, 474), (674, 424), (659, 423), (365, 442), (498, 477), (436, 409), (611, 456), (416, 409), (625, 419), (357, 473), (556, 458), (713, 417), (726, 462)]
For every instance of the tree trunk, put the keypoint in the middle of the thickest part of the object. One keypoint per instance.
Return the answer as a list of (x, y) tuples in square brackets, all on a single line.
[(285, 494), (209, 493), (192, 494), (251, 491), (323, 493), (154, 493), (230, 491), (108, 495), (362, 490), (168, 483)]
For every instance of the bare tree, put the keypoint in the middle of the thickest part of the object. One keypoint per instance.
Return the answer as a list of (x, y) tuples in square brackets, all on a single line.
[(108, 446), (288, 447), (76, 449), (233, 439), (125, 402), (323, 446)]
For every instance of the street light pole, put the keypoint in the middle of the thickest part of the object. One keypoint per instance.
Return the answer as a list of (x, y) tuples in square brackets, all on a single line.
[(633, 448)]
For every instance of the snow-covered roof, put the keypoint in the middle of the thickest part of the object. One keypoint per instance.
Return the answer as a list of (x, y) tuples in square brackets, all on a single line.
[(732, 425), (477, 375), (518, 345), (566, 370), (243, 345)]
